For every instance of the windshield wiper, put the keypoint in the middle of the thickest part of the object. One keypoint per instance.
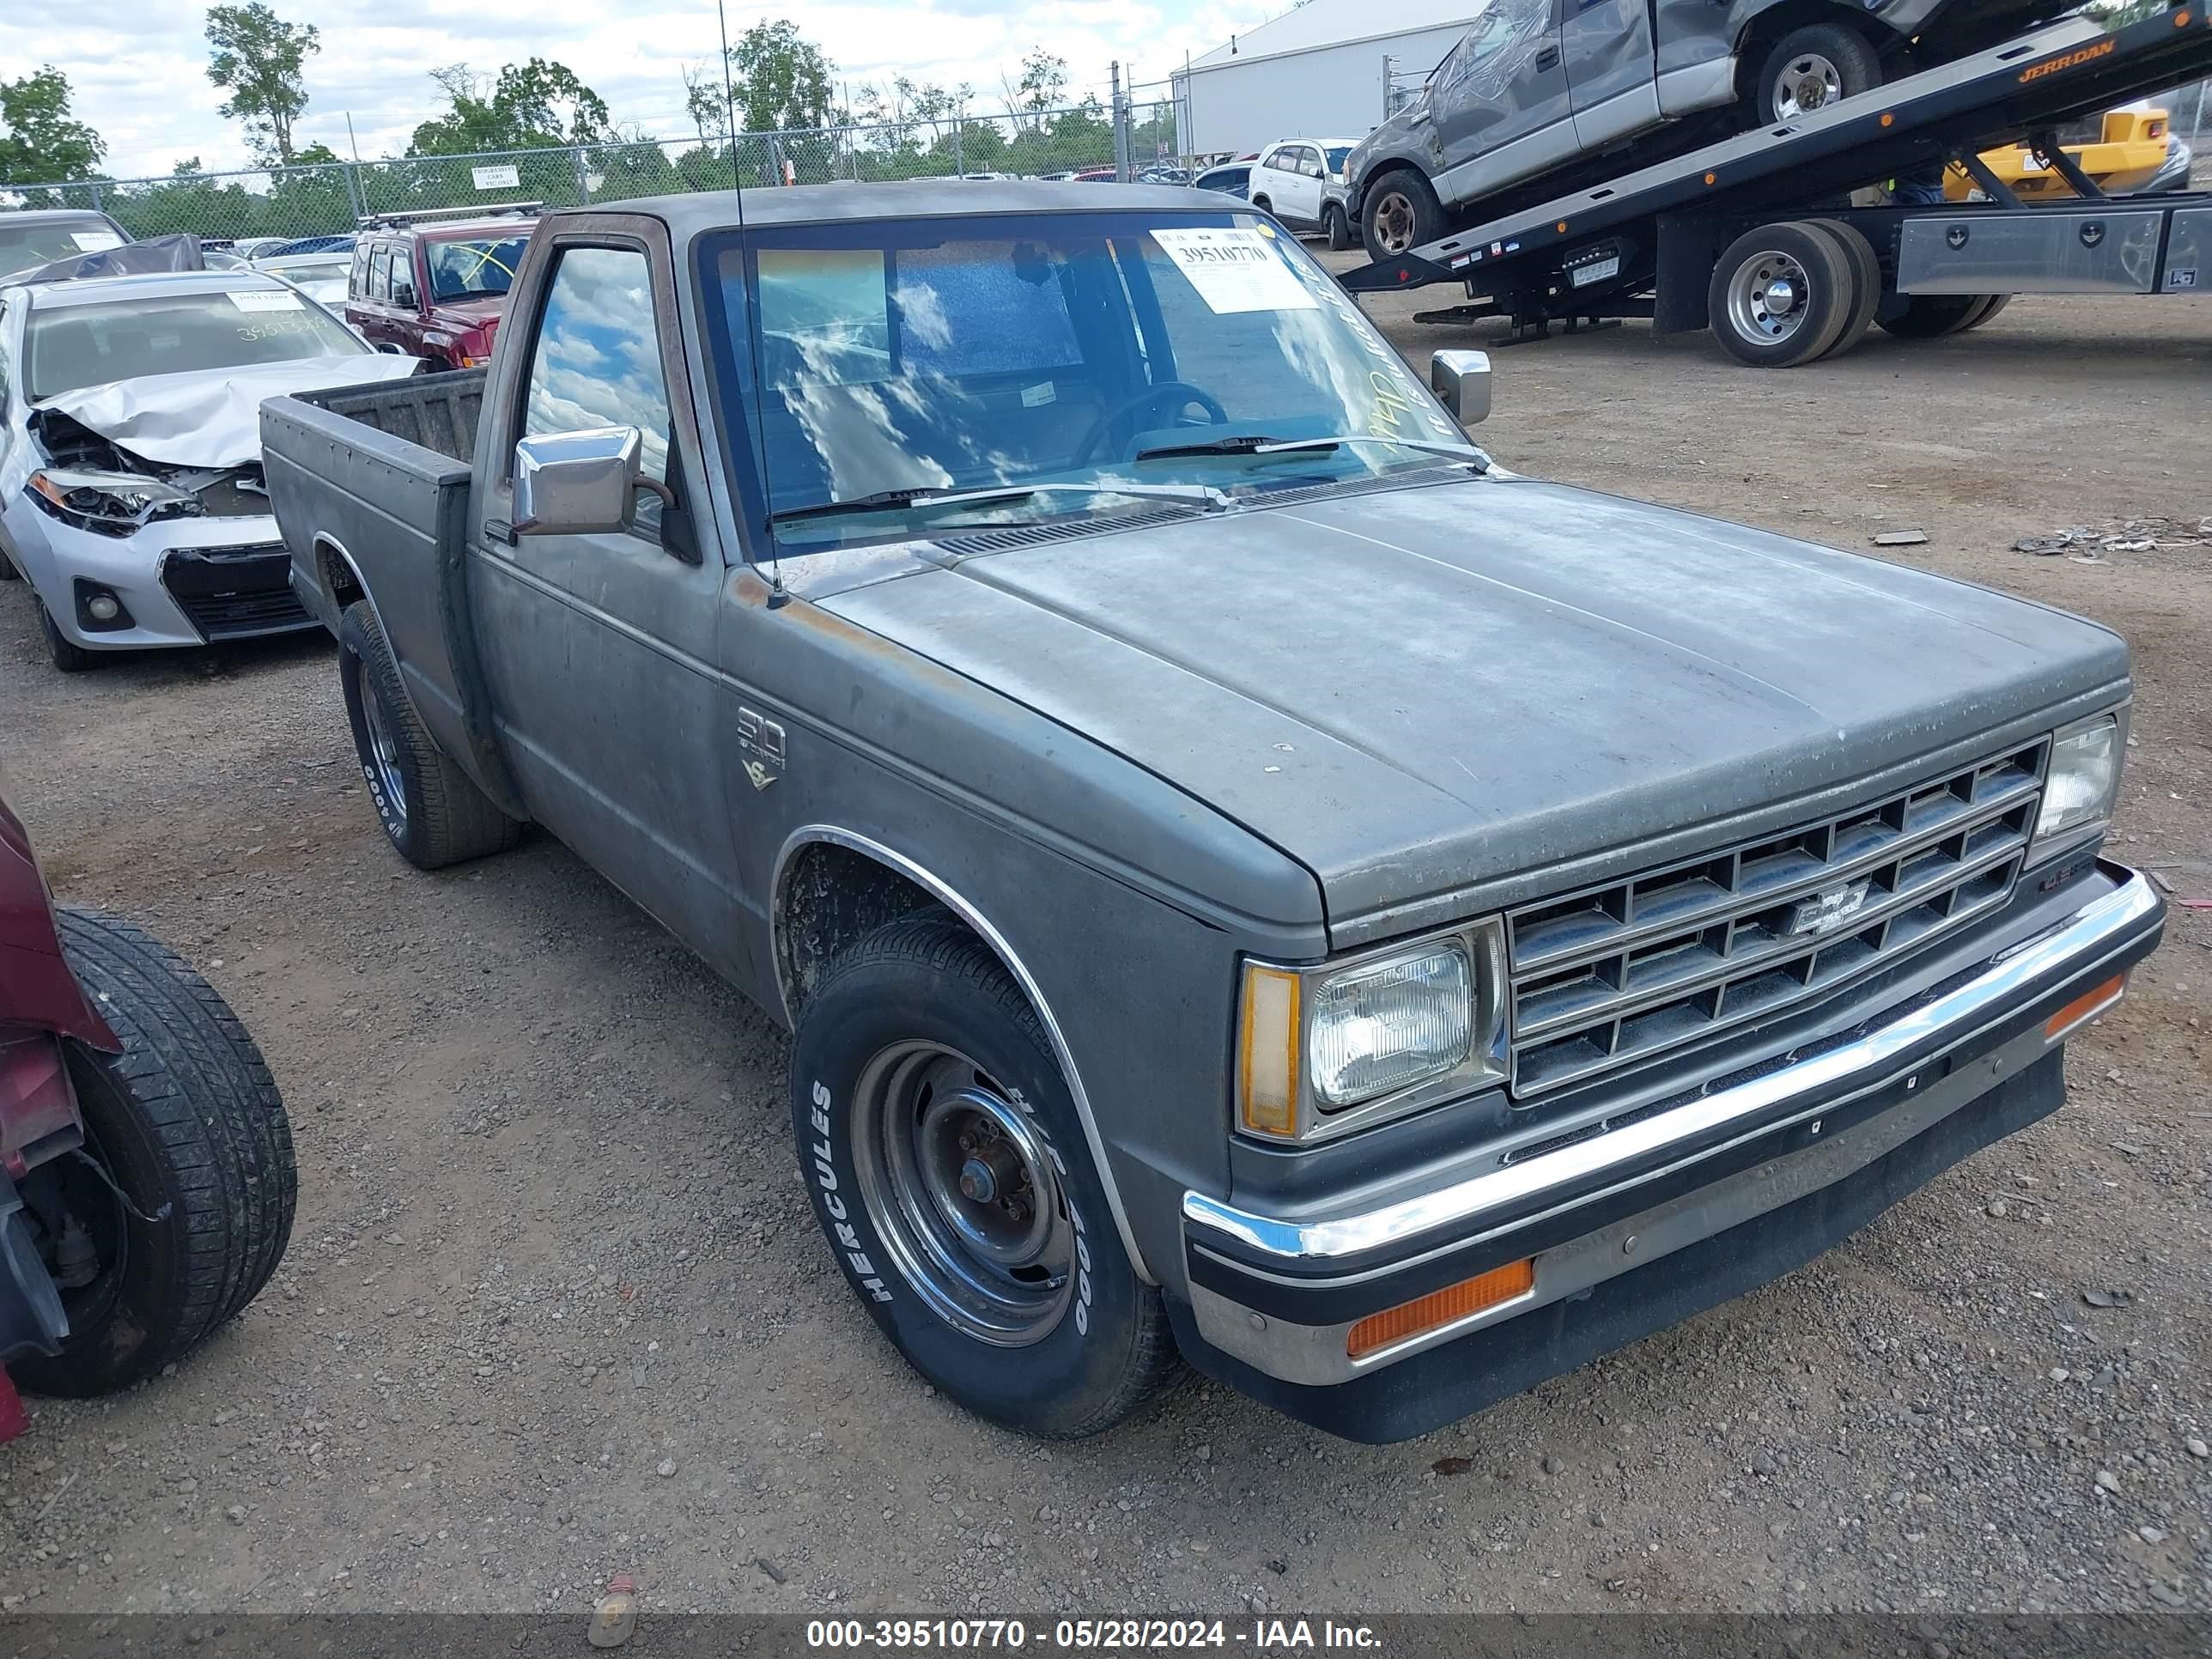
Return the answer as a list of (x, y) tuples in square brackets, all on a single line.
[(1250, 445), (882, 500)]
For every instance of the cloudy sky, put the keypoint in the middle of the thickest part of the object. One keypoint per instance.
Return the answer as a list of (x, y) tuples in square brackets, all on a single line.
[(139, 67)]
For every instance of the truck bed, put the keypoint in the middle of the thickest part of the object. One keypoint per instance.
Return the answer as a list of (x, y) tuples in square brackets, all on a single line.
[(370, 489)]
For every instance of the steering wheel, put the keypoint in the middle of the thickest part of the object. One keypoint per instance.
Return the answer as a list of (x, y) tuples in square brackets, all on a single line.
[(1184, 394)]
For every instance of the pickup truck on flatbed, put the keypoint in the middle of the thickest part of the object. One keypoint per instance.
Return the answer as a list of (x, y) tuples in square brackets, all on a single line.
[(1249, 877)]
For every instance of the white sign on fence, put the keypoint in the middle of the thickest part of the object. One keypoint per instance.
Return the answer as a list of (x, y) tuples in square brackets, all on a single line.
[(498, 178)]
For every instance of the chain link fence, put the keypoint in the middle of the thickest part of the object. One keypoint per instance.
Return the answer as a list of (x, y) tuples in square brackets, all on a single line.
[(330, 200)]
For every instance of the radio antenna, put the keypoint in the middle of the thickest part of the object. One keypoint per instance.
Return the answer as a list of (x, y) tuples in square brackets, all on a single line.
[(777, 598)]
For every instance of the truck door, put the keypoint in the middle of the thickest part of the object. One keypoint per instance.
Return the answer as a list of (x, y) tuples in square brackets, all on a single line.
[(1498, 106), (599, 646), (1611, 69)]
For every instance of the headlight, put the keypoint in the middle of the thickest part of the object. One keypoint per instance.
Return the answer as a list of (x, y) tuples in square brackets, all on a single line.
[(1324, 1050), (2083, 777), (114, 502)]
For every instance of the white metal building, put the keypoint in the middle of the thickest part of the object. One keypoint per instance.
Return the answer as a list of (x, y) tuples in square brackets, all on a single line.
[(1316, 71)]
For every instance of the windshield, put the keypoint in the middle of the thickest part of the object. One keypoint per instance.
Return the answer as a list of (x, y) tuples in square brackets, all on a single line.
[(22, 246), (67, 347), (1086, 352), (470, 270), (1336, 155), (320, 269)]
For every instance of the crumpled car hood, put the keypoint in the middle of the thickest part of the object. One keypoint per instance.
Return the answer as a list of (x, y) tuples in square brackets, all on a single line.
[(1419, 690), (208, 417)]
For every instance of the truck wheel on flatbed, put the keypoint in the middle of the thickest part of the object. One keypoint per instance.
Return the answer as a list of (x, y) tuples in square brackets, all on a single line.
[(947, 1166), (1400, 211), (1932, 316), (434, 814), (1866, 293), (1812, 67), (179, 1205), (1782, 294)]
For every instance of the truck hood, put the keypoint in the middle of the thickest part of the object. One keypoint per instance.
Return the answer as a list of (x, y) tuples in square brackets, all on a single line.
[(205, 417), (1417, 692), (465, 314)]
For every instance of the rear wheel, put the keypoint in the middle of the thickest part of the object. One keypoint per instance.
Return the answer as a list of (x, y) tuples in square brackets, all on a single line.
[(950, 1171), (431, 810), (1866, 293), (1812, 67), (1992, 304), (1399, 213), (1782, 294), (179, 1205), (1931, 316)]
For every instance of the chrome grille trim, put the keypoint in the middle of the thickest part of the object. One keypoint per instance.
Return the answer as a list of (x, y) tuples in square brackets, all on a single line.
[(1621, 971)]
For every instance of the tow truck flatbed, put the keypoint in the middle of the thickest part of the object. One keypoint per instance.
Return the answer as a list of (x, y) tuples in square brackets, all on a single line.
[(1679, 240)]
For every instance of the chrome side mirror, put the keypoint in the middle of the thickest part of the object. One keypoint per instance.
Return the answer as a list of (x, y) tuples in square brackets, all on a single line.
[(577, 483), (1462, 380)]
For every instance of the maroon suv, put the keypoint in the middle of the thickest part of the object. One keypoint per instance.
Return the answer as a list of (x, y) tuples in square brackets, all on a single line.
[(435, 290), (146, 1176)]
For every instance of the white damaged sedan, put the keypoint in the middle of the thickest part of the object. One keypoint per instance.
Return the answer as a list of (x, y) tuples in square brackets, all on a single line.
[(130, 489)]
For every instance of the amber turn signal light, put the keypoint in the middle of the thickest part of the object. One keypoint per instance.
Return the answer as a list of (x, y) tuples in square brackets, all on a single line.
[(2088, 1006), (1439, 1307)]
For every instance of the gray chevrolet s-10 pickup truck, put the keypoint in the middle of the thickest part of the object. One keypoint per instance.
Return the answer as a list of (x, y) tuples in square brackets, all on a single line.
[(1249, 878)]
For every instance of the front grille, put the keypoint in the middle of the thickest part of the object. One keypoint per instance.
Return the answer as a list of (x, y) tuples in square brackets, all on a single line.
[(1619, 973), (233, 592)]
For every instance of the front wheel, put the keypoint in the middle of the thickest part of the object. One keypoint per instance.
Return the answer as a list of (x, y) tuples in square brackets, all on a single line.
[(949, 1173), (179, 1206), (65, 653), (1812, 67), (1399, 213), (1336, 225)]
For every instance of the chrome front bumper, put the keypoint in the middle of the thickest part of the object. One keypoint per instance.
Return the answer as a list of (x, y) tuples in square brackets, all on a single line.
[(1281, 1293)]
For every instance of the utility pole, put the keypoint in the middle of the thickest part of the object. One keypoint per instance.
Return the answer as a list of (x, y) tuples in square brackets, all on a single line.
[(1120, 124)]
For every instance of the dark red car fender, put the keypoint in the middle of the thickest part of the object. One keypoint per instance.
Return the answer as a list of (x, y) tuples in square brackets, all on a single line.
[(37, 988)]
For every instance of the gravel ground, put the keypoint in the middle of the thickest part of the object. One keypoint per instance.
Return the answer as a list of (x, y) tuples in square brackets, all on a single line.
[(555, 1307)]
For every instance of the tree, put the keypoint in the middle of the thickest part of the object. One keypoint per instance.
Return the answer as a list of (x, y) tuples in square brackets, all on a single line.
[(259, 60), (1044, 79), (781, 80), (539, 105), (40, 142)]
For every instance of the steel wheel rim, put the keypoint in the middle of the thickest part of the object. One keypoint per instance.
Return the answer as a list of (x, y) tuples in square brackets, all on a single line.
[(1766, 297), (1393, 222), (963, 1194), (383, 754), (1809, 80)]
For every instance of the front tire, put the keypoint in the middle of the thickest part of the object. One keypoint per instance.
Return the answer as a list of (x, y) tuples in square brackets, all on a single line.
[(188, 1123), (432, 811), (1336, 225), (1400, 212), (1812, 67), (949, 1170), (65, 653)]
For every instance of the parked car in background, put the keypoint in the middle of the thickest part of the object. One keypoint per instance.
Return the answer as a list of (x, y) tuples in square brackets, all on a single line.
[(1291, 180), (2124, 151), (1231, 178), (322, 277), (1532, 88), (34, 237), (147, 1180), (848, 591), (342, 243), (2174, 172), (1095, 176), (131, 495), (433, 287)]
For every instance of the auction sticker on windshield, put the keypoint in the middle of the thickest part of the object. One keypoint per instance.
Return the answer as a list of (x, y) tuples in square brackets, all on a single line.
[(1235, 269), (94, 241), (253, 299)]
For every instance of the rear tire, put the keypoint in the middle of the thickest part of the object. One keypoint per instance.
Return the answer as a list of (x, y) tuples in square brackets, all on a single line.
[(432, 812), (1995, 303), (1336, 225), (66, 654), (1812, 67), (1866, 293), (918, 1066), (186, 1116), (1400, 212), (1782, 294), (1932, 316)]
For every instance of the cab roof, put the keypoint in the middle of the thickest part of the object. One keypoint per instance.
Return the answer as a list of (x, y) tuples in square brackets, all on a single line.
[(691, 215)]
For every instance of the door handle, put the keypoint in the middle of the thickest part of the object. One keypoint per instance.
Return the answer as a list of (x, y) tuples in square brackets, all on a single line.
[(1548, 58), (500, 531)]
